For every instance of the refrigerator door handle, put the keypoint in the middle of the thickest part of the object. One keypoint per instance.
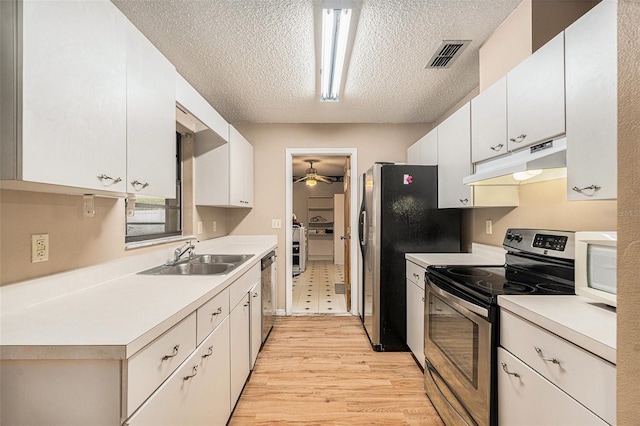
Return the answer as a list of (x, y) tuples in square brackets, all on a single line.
[(363, 228)]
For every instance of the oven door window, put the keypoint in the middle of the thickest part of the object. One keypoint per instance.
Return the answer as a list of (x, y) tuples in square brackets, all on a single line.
[(456, 336)]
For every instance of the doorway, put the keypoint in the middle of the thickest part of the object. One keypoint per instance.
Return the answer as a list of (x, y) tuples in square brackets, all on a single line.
[(350, 222)]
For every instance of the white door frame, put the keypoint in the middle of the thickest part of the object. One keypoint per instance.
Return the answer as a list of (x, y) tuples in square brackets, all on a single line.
[(337, 152)]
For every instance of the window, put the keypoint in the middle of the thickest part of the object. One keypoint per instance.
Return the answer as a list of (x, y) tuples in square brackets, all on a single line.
[(158, 217)]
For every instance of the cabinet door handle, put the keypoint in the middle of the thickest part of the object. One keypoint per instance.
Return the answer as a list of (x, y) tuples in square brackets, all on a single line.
[(593, 188), (518, 139), (464, 201), (209, 352), (246, 304), (255, 294), (194, 372), (217, 312), (497, 147), (416, 276), (106, 177), (138, 186), (539, 351), (176, 348), (504, 367)]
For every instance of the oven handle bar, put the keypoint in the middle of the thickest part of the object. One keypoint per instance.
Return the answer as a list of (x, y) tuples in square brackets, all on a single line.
[(458, 301)]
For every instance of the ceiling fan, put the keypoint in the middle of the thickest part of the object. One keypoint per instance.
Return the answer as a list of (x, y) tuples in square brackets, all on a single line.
[(312, 177)]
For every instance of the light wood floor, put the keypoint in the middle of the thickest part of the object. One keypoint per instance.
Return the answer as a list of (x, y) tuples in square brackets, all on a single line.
[(321, 370)]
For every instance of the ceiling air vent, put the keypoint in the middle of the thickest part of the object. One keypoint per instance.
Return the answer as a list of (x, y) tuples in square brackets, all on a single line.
[(448, 52)]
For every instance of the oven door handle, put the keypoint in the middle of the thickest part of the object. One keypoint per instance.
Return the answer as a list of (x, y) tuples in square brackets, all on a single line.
[(458, 301)]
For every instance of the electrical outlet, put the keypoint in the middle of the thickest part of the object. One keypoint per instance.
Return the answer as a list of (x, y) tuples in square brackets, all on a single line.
[(276, 223), (39, 248), (214, 226), (199, 228), (488, 227)]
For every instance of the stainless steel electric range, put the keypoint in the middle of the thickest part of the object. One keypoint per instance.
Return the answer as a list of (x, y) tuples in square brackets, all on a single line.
[(462, 319)]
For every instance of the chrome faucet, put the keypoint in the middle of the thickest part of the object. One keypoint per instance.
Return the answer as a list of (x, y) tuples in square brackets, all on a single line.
[(187, 247)]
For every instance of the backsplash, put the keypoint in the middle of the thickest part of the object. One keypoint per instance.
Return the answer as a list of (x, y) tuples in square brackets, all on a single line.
[(544, 205)]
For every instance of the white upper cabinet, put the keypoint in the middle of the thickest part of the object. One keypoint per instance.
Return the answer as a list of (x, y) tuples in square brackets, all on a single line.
[(241, 171), (413, 153), (425, 151), (151, 125), (489, 122), (73, 95), (454, 159), (591, 62), (191, 101), (535, 97), (224, 171)]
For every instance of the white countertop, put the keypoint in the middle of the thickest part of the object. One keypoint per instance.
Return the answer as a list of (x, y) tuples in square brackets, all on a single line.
[(480, 255), (108, 311), (590, 325)]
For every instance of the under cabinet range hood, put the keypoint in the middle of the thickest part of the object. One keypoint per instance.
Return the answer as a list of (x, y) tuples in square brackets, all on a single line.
[(543, 161)]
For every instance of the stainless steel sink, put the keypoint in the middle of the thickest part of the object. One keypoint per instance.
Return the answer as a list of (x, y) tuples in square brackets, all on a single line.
[(203, 264), (220, 258)]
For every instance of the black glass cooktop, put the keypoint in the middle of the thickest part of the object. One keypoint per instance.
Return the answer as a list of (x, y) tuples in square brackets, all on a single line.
[(488, 282)]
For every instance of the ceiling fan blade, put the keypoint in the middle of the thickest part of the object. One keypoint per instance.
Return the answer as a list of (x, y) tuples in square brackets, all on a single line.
[(301, 179), (324, 179)]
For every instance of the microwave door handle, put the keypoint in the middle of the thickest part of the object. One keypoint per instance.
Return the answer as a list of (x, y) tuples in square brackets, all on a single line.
[(458, 301)]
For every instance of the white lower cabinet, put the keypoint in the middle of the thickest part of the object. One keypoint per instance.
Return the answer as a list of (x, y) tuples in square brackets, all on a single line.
[(527, 398), (198, 393), (415, 310), (255, 300), (536, 368), (239, 347), (192, 374)]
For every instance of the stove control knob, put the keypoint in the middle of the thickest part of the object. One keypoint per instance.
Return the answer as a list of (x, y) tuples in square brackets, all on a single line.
[(509, 236), (517, 237)]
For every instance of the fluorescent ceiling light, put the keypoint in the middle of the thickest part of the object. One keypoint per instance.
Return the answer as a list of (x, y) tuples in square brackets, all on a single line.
[(335, 33)]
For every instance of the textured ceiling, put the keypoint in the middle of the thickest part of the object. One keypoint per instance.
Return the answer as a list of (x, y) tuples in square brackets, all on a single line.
[(255, 60)]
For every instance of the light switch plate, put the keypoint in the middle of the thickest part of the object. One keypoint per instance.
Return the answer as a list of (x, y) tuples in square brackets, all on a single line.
[(276, 223), (199, 227), (488, 227), (39, 248)]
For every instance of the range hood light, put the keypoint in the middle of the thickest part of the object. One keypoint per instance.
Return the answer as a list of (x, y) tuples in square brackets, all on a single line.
[(537, 163), (526, 174)]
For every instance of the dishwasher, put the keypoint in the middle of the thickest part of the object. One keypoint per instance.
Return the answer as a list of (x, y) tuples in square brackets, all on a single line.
[(269, 279)]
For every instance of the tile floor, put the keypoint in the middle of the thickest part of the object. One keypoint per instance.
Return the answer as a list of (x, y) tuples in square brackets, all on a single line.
[(314, 289)]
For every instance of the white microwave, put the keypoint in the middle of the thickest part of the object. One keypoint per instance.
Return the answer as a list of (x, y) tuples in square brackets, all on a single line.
[(595, 266)]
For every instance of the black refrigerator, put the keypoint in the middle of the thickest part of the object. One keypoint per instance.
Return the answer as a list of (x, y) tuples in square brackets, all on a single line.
[(399, 214)]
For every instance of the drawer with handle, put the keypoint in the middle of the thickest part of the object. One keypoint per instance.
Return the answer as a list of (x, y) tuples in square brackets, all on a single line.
[(415, 274), (150, 366), (573, 369), (212, 313)]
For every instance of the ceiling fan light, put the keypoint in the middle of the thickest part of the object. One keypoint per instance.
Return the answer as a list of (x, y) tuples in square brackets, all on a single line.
[(311, 182)]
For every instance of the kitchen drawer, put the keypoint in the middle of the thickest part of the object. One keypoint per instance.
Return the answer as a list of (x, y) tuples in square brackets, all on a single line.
[(583, 375), (197, 393), (530, 399), (212, 313), (415, 274), (150, 366), (242, 285)]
